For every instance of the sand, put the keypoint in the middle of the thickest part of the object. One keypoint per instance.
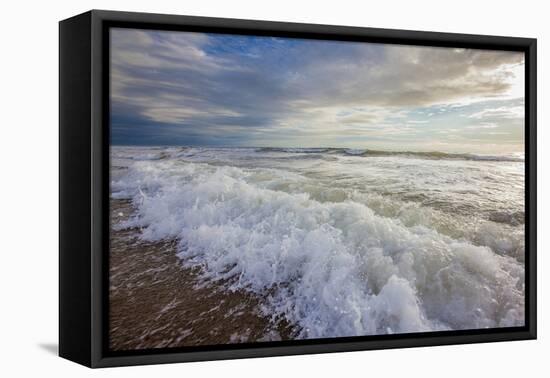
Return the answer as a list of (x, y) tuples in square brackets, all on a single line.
[(156, 302)]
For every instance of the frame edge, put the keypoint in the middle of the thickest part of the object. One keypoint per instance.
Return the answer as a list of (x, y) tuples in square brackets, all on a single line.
[(74, 193)]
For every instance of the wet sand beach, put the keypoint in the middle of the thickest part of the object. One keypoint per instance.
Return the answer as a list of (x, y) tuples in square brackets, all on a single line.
[(156, 302)]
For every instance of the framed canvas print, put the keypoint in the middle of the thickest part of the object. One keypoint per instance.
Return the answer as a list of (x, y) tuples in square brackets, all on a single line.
[(233, 188)]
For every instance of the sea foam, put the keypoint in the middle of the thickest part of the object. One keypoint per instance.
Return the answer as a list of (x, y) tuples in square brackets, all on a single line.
[(331, 267)]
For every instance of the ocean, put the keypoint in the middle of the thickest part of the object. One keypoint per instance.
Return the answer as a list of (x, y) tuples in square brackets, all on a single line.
[(340, 242)]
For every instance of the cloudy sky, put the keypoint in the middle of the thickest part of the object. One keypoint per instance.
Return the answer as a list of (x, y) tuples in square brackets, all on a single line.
[(180, 88)]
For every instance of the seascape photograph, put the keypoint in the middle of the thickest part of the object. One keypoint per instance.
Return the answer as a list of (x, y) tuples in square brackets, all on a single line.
[(268, 189)]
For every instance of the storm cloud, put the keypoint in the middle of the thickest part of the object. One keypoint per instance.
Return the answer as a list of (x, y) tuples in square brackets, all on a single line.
[(212, 89)]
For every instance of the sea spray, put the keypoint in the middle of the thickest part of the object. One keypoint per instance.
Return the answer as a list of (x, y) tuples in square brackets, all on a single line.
[(363, 259)]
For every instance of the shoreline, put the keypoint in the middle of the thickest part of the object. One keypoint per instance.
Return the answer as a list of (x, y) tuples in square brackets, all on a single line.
[(156, 302)]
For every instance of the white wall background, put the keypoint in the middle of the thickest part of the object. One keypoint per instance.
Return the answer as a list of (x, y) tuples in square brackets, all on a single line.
[(28, 186)]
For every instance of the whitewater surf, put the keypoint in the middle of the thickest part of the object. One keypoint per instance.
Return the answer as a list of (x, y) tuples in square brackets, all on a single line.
[(340, 242)]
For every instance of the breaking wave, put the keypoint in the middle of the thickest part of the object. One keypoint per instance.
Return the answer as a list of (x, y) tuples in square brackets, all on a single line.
[(412, 154), (331, 259)]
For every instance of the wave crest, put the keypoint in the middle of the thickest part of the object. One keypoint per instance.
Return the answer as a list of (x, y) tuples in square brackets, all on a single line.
[(332, 268)]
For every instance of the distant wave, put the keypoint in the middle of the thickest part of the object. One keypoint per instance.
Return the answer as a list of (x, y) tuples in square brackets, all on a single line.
[(152, 156), (434, 155), (296, 150)]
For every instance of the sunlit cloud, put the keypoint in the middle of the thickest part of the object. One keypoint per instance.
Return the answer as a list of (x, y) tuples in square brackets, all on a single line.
[(195, 88), (500, 113)]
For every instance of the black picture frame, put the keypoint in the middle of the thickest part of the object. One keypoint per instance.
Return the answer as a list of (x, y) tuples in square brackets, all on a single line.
[(84, 187)]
